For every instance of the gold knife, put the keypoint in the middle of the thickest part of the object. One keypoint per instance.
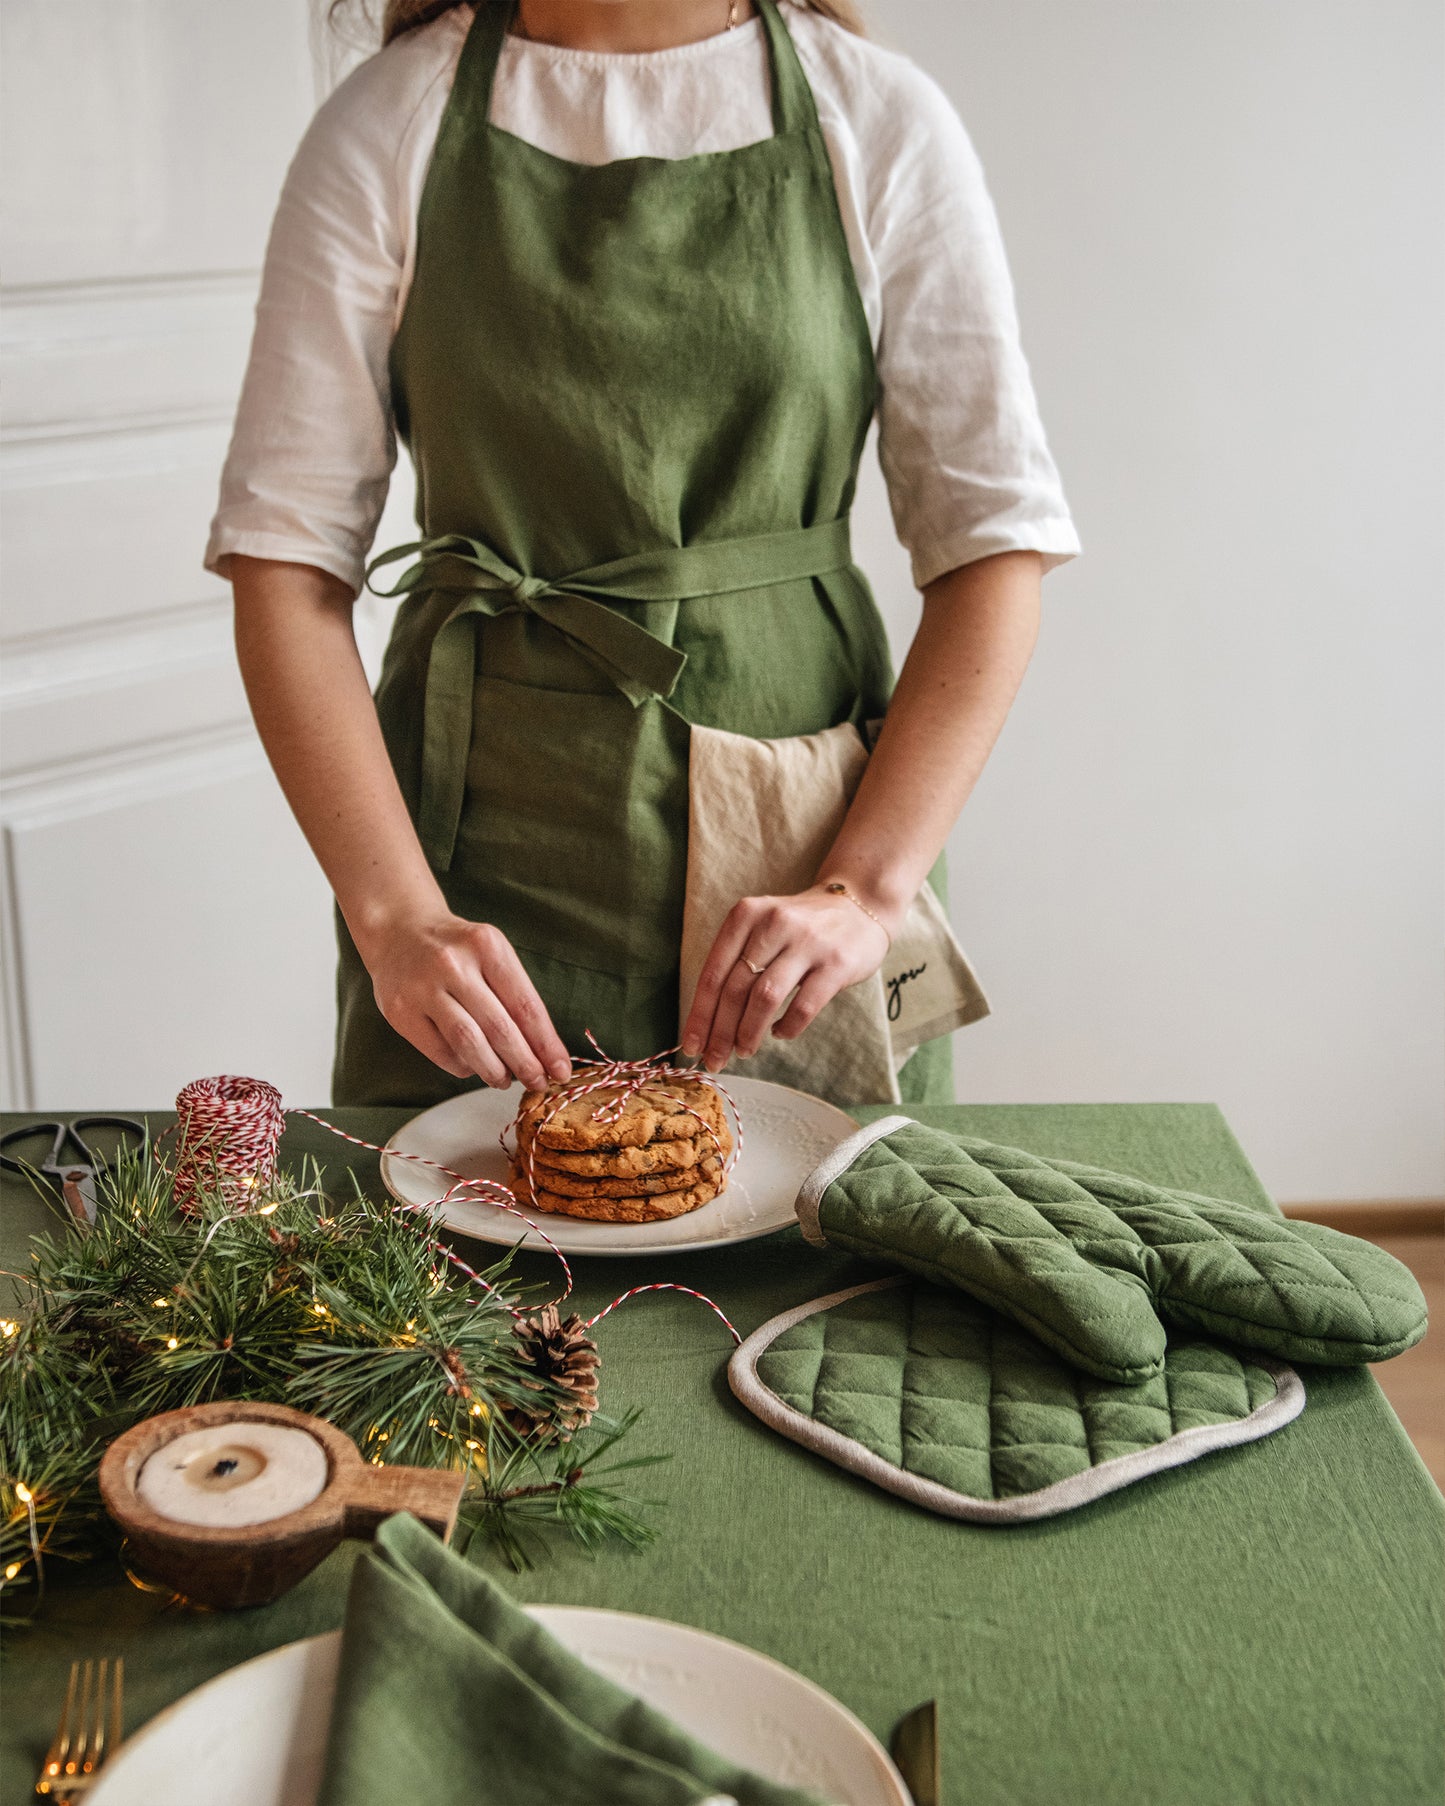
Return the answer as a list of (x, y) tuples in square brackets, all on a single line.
[(914, 1750)]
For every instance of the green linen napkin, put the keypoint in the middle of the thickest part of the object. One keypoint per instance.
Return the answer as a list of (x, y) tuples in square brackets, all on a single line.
[(1096, 1263), (449, 1692)]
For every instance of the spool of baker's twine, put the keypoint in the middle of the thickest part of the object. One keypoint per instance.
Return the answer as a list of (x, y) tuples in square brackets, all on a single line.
[(226, 1135), (228, 1130)]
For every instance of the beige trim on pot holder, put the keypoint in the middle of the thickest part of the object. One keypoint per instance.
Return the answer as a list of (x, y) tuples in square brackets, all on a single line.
[(1063, 1495)]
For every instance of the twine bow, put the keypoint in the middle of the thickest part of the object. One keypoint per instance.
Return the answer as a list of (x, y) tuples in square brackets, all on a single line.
[(615, 1083), (641, 666)]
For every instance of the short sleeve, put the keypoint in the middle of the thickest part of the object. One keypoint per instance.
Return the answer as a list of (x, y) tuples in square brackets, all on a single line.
[(313, 444), (962, 446)]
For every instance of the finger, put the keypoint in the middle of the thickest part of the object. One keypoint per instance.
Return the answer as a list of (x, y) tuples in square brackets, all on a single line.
[(468, 1043), (424, 1036), (732, 937), (732, 1001), (499, 1031), (818, 989), (768, 995), (513, 988), (427, 1039)]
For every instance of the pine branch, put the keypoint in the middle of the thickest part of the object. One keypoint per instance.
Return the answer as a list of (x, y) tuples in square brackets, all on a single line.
[(346, 1308), (529, 1489), (53, 1512), (51, 1401)]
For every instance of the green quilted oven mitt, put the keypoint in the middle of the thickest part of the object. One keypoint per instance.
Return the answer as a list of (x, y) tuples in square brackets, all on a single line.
[(1096, 1263)]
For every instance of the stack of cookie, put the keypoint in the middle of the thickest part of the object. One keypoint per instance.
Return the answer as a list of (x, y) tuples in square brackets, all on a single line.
[(664, 1154)]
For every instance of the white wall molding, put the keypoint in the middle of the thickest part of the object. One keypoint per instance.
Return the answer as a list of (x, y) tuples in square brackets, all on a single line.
[(83, 358), (103, 526), (164, 920), (17, 1090), (85, 289), (162, 915), (112, 451), (66, 663), (91, 427), (76, 693), (114, 780)]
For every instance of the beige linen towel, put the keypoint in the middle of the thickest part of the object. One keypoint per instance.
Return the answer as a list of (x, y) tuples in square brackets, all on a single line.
[(761, 816)]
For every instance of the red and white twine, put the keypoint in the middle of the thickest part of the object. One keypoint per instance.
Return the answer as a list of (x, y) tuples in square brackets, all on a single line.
[(477, 1191), (226, 1135), (228, 1130), (615, 1083)]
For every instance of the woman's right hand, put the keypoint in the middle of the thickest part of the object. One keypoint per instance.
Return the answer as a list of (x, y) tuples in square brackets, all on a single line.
[(457, 991)]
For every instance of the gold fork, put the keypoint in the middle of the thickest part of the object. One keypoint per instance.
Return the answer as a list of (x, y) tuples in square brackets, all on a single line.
[(88, 1730)]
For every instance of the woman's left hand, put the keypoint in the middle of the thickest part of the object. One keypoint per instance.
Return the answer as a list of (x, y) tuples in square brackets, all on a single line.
[(816, 943)]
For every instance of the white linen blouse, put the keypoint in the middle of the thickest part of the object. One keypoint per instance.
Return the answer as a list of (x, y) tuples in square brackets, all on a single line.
[(962, 447)]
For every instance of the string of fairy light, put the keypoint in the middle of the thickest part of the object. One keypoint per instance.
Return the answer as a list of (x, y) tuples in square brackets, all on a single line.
[(227, 1136), (9, 1329)]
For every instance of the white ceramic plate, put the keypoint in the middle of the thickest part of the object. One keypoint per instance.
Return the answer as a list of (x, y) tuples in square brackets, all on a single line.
[(785, 1134), (257, 1733)]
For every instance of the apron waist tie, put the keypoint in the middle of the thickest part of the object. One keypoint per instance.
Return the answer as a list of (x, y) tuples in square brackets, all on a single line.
[(637, 662)]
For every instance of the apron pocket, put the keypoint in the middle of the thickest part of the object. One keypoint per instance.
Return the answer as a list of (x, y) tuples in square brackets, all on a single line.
[(573, 830), (761, 817)]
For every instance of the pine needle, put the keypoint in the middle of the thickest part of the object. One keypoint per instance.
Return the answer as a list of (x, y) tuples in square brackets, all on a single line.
[(345, 1308)]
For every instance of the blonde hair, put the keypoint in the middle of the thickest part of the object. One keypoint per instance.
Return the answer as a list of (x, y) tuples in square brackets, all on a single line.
[(398, 16)]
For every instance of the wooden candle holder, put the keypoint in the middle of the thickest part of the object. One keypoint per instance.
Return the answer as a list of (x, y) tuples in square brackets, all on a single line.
[(253, 1564)]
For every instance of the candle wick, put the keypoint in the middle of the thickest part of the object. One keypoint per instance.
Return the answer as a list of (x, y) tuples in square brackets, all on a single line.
[(227, 1465)]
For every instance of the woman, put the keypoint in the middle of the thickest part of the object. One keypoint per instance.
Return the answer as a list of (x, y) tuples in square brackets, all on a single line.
[(631, 278)]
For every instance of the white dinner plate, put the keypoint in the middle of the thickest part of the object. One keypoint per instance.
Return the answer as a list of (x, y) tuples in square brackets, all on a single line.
[(784, 1136), (256, 1735)]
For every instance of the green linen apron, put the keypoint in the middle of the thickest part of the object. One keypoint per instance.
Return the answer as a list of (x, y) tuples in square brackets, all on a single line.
[(635, 395)]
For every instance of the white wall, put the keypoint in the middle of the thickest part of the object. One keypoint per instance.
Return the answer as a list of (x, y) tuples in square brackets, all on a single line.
[(161, 916), (1206, 859)]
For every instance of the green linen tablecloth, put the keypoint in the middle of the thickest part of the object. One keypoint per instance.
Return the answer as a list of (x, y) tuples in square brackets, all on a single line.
[(1263, 1626)]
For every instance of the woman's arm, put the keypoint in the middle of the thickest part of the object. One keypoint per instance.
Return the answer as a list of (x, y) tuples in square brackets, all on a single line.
[(957, 684), (455, 989)]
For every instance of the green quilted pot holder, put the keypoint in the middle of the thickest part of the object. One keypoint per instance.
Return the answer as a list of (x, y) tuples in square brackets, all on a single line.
[(935, 1397), (1096, 1263)]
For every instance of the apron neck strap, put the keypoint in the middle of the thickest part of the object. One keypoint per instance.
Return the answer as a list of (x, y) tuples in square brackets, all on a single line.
[(794, 109), (477, 66)]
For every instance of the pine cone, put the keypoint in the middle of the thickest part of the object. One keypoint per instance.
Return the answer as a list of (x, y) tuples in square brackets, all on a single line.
[(563, 1356), (456, 1371)]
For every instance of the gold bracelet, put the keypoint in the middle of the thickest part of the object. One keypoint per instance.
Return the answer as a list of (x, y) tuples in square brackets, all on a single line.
[(839, 889)]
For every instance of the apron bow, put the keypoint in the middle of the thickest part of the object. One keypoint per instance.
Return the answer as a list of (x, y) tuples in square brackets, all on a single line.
[(640, 665)]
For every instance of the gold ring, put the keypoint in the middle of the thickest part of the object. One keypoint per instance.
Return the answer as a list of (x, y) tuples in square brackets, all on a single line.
[(757, 971)]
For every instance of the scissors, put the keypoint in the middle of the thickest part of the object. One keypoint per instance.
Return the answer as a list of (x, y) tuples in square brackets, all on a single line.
[(74, 1178)]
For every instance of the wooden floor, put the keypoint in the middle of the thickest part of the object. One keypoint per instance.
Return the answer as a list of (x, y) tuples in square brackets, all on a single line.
[(1414, 1382)]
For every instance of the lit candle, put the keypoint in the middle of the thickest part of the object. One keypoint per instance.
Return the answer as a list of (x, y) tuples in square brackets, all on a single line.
[(234, 1474)]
